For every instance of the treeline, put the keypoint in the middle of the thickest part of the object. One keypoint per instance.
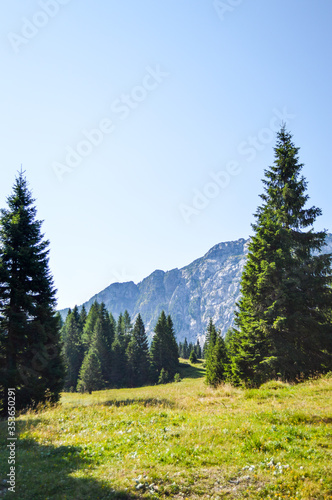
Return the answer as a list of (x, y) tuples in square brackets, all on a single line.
[(283, 320), (100, 352)]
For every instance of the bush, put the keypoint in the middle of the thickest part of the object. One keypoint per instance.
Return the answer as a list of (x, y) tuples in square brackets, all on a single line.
[(274, 384), (163, 377), (193, 357), (177, 377)]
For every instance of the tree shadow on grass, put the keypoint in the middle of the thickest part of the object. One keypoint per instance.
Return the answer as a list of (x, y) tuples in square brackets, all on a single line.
[(44, 471), (192, 371), (162, 402)]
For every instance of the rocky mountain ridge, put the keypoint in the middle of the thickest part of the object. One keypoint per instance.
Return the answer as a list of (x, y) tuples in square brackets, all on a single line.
[(208, 287)]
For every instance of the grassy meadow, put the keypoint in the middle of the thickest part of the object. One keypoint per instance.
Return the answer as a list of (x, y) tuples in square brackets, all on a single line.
[(180, 440)]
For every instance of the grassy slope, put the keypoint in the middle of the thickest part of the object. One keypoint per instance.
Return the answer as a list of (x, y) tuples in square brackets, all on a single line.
[(180, 440)]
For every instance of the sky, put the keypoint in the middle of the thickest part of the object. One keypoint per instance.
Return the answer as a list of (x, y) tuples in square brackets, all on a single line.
[(144, 127)]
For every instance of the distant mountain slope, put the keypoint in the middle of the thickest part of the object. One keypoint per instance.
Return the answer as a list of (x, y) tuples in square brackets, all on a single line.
[(208, 287)]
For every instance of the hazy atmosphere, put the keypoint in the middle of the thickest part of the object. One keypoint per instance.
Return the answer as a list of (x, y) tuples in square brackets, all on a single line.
[(144, 127)]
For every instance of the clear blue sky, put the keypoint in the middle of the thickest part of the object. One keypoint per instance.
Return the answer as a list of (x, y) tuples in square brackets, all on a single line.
[(183, 93)]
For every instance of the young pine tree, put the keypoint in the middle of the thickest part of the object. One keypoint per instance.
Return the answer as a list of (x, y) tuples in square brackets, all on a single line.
[(283, 321), (216, 363), (90, 378), (211, 338), (164, 377), (29, 329), (193, 357)]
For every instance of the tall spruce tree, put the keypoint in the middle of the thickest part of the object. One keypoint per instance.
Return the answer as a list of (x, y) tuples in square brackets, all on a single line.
[(29, 329), (283, 320), (90, 377), (173, 351), (119, 363), (157, 349), (102, 342), (138, 361), (164, 349)]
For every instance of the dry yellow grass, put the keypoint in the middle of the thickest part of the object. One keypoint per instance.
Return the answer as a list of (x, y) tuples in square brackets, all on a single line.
[(182, 440)]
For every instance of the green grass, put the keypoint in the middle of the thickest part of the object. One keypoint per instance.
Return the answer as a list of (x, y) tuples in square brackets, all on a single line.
[(179, 441)]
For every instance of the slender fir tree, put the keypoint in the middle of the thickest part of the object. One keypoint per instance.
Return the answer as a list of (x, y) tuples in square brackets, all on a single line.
[(29, 329), (83, 317), (211, 338), (198, 350), (173, 351), (186, 352), (283, 320), (89, 326), (120, 327)]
